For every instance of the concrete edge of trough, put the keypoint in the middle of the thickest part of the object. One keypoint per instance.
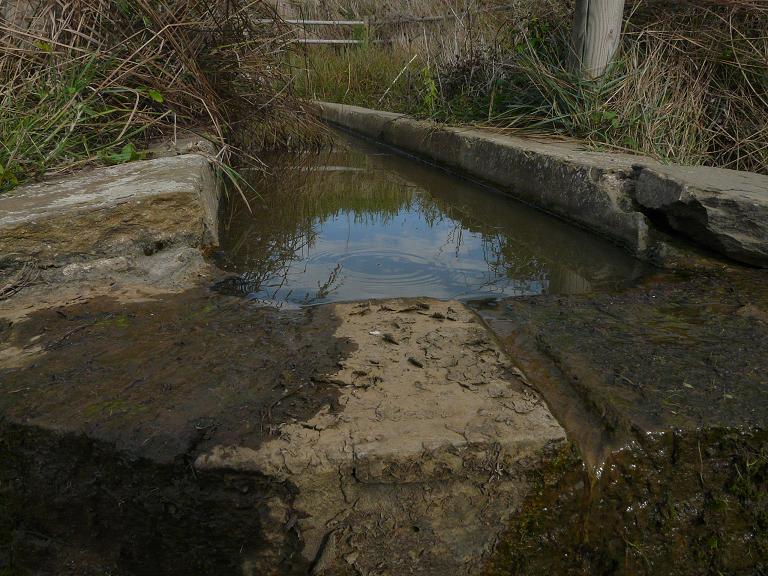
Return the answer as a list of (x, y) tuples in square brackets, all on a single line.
[(136, 208), (618, 196)]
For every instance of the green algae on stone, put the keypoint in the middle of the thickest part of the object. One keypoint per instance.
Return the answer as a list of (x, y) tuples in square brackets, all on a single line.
[(684, 504), (673, 371), (550, 517)]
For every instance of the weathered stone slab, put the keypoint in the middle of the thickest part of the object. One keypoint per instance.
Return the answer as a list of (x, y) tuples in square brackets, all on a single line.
[(127, 210), (388, 437), (670, 354), (725, 210), (430, 449)]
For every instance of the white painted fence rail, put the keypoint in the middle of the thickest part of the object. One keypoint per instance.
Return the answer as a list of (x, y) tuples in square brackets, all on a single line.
[(315, 22), (325, 41)]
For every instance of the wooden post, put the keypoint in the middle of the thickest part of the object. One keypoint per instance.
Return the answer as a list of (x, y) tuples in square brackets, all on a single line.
[(596, 35)]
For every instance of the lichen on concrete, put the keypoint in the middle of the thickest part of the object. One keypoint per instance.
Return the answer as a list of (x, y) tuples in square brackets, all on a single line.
[(127, 210)]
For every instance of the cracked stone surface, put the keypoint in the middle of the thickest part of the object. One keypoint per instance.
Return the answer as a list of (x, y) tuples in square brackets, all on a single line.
[(430, 447), (385, 437)]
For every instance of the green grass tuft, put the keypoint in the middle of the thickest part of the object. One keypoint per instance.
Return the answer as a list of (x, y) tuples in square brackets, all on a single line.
[(87, 81)]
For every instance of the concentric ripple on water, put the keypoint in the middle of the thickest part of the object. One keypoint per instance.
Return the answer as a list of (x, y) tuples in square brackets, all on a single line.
[(360, 221)]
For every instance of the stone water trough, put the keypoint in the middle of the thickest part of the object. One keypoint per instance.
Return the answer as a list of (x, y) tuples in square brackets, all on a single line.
[(149, 425)]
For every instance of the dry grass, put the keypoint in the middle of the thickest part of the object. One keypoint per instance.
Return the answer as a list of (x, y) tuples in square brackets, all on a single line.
[(86, 81), (724, 44), (17, 281), (690, 83)]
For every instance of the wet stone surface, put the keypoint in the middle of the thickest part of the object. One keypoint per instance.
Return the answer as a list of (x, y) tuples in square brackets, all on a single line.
[(73, 506), (675, 351), (685, 504), (162, 378), (431, 449), (305, 438), (105, 405), (664, 388)]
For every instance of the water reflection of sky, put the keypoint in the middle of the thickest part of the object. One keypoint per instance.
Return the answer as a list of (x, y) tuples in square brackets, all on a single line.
[(391, 227), (404, 256)]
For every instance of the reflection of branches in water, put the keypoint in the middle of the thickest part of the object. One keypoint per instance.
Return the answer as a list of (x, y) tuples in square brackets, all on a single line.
[(298, 197), (505, 262), (505, 275), (505, 258), (459, 231), (433, 211), (454, 237), (508, 265), (292, 205), (323, 290), (269, 259)]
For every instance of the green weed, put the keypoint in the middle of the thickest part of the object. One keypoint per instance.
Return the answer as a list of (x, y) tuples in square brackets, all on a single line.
[(94, 82)]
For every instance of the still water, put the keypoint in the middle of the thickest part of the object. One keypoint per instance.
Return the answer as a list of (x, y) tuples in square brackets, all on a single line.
[(361, 221)]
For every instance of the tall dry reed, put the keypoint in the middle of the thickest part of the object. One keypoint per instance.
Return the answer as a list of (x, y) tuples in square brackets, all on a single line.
[(85, 81), (689, 84)]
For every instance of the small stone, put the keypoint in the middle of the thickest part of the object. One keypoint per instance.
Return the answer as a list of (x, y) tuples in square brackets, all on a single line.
[(520, 374), (389, 338), (495, 391), (415, 362), (454, 376)]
